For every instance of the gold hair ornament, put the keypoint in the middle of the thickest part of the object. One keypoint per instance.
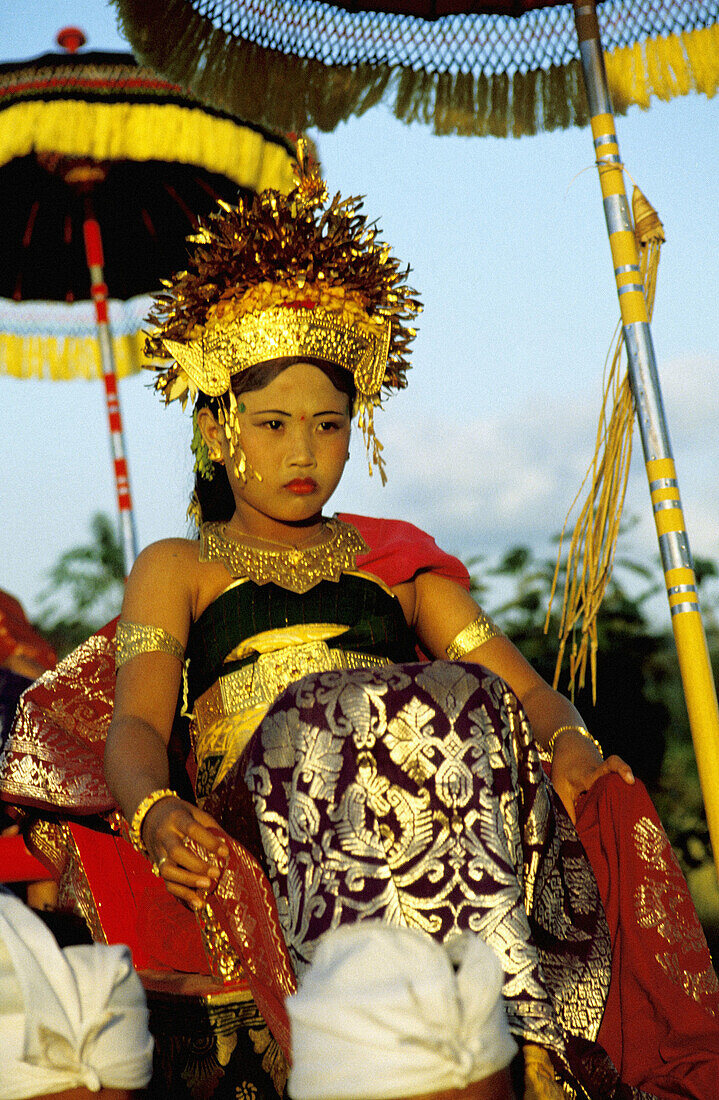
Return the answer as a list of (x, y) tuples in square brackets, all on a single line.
[(203, 458), (279, 276)]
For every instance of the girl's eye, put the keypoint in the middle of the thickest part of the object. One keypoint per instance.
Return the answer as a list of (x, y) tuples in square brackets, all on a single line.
[(273, 424), (329, 426)]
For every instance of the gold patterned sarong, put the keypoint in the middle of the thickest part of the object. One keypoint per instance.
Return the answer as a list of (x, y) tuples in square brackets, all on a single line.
[(414, 795)]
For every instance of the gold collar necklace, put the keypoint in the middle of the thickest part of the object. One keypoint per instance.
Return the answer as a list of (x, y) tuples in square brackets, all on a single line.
[(296, 568)]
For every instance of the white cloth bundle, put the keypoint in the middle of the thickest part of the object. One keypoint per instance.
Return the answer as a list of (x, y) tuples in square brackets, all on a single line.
[(382, 1013), (69, 1017)]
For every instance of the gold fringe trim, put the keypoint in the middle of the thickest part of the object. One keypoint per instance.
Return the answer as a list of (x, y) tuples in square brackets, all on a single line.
[(664, 67), (146, 131), (292, 93), (594, 539), (62, 359)]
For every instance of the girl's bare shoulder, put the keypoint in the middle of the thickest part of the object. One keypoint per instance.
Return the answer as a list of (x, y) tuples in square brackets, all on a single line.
[(166, 561), (166, 551), (164, 573)]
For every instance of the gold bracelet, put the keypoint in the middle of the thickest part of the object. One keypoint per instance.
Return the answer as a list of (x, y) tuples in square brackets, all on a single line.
[(132, 639), (579, 729), (141, 813), (479, 631)]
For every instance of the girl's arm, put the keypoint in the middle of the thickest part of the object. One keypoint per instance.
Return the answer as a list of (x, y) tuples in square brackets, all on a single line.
[(441, 609), (159, 594)]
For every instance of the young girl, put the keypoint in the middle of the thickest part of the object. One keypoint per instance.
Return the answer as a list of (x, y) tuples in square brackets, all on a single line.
[(295, 432), (382, 785)]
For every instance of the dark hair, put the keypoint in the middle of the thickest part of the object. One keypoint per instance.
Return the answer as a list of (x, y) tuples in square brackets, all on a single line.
[(217, 504)]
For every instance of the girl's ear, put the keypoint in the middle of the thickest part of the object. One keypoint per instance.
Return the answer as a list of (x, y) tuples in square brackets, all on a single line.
[(211, 431)]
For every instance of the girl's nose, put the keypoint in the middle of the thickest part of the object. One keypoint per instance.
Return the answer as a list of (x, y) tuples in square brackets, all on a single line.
[(301, 449)]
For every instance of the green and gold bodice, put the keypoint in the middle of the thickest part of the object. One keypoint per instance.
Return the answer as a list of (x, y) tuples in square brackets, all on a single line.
[(256, 639)]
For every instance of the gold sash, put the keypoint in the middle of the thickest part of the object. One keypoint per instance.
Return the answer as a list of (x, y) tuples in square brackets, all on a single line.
[(227, 714)]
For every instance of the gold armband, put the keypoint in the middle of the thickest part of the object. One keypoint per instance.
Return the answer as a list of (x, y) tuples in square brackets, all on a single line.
[(478, 631), (141, 813), (579, 729), (131, 639)]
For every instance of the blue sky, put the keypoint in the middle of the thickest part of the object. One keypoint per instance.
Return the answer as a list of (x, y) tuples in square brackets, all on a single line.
[(508, 247)]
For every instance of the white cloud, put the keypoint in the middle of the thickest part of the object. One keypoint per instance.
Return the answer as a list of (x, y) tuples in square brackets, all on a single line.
[(479, 483), (493, 482), (690, 385)]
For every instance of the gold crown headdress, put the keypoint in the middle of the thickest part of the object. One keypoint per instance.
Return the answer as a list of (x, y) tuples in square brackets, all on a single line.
[(278, 276)]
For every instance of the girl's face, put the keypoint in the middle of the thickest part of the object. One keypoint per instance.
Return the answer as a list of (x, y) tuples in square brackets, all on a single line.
[(295, 435)]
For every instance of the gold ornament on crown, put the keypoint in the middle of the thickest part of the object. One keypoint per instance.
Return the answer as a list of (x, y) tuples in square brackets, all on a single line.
[(281, 276)]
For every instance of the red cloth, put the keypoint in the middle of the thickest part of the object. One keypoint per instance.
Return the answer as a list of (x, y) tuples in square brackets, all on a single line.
[(661, 1021), (53, 759), (244, 908), (399, 551), (132, 905), (17, 863), (18, 638)]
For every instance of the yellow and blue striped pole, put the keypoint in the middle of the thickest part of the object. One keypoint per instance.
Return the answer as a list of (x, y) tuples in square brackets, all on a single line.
[(692, 652)]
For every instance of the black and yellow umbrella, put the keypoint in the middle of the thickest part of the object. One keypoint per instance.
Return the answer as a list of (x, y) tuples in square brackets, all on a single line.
[(104, 168), (501, 67)]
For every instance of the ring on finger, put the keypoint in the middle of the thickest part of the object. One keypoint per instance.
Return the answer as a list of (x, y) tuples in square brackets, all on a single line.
[(157, 867)]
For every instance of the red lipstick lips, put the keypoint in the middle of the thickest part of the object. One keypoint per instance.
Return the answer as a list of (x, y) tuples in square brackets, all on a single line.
[(301, 485)]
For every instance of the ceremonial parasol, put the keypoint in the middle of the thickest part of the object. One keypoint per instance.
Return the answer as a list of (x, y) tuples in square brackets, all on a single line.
[(104, 169), (495, 67), (499, 67)]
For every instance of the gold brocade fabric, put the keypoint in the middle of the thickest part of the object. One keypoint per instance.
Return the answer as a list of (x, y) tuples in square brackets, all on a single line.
[(227, 714), (50, 840), (207, 1043), (53, 841), (414, 795), (219, 744), (64, 718), (658, 906), (295, 568), (223, 959), (268, 641)]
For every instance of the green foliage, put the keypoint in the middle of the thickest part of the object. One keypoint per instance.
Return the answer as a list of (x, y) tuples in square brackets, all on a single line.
[(707, 574), (640, 711), (631, 715), (678, 796), (85, 588)]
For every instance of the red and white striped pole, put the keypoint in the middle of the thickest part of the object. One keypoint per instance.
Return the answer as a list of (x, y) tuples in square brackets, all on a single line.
[(98, 288)]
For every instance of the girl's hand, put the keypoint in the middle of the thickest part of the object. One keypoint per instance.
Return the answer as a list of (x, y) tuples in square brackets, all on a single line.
[(170, 832), (577, 765)]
